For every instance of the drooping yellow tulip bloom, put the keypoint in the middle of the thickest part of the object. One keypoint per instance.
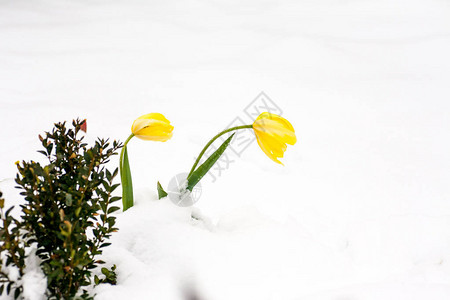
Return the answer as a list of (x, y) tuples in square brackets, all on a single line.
[(273, 133), (152, 127)]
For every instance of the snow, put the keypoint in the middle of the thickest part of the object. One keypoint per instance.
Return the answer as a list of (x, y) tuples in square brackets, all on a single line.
[(361, 209), (34, 281)]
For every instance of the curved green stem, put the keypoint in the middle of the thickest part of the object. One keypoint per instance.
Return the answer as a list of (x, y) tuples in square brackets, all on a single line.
[(212, 141)]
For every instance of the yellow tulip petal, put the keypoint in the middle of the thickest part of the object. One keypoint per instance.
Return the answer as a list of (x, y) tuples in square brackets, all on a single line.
[(155, 133), (263, 148), (278, 126), (279, 119), (276, 146), (140, 123), (273, 133), (154, 116), (278, 130), (152, 127)]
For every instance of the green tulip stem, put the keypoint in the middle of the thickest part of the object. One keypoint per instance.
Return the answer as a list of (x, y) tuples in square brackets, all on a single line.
[(212, 141)]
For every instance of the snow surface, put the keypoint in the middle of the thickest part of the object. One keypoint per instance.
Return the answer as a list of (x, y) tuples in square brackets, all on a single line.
[(361, 209)]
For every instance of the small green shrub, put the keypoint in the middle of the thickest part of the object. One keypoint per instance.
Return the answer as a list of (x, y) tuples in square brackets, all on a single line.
[(67, 211), (12, 251)]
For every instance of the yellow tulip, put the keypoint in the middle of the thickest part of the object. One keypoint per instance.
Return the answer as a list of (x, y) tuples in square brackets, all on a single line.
[(149, 127), (152, 127), (273, 133)]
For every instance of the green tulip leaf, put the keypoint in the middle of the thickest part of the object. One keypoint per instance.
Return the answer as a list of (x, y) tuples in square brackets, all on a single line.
[(201, 171), (127, 184), (161, 192)]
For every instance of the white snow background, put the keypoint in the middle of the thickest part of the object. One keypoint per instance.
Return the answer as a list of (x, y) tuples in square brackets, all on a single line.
[(361, 209)]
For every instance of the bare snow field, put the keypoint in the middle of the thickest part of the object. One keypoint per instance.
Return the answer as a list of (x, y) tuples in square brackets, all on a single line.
[(361, 209)]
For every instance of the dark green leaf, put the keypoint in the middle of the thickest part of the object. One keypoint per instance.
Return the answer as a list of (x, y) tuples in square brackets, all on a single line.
[(114, 199), (127, 184), (42, 152), (113, 209), (105, 245), (161, 192), (198, 174), (113, 187)]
